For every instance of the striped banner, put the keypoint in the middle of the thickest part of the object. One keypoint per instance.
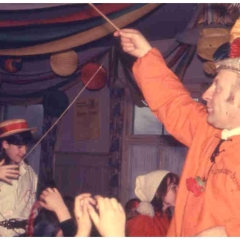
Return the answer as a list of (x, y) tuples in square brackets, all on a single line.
[(83, 37)]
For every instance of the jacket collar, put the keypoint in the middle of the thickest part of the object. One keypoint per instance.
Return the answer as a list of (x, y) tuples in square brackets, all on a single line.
[(229, 133)]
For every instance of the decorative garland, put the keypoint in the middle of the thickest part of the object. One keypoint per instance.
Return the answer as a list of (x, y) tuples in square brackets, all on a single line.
[(52, 76)]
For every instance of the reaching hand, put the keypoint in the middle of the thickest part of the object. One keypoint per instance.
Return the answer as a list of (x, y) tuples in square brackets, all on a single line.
[(111, 219), (133, 42), (52, 200), (8, 172), (81, 213)]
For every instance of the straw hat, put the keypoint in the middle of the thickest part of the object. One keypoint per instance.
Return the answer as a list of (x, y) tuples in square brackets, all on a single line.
[(13, 126), (64, 63)]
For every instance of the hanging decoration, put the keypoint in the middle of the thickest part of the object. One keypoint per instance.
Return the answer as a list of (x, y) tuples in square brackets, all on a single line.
[(210, 30), (214, 34), (11, 65), (55, 102), (210, 39), (36, 95), (64, 63), (100, 79)]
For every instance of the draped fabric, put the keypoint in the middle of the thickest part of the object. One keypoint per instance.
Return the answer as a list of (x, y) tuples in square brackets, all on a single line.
[(44, 36), (31, 34), (45, 177), (34, 84), (116, 139), (143, 158), (82, 12)]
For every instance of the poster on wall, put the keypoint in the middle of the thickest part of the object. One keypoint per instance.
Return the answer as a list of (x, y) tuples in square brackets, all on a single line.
[(86, 119)]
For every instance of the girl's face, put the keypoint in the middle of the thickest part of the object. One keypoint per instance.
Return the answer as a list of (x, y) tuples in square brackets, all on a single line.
[(170, 198), (14, 152)]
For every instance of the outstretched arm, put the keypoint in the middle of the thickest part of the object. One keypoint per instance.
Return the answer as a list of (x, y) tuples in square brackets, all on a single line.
[(166, 96)]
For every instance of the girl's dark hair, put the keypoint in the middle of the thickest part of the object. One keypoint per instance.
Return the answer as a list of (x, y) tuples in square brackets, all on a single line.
[(157, 202), (19, 139)]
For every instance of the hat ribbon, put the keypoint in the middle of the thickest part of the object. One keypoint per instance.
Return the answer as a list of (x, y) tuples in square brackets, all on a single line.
[(13, 126)]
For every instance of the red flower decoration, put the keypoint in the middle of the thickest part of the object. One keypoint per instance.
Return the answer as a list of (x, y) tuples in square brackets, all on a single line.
[(235, 48), (195, 185)]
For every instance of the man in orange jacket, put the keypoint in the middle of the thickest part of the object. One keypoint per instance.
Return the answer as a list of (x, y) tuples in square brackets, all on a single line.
[(209, 191)]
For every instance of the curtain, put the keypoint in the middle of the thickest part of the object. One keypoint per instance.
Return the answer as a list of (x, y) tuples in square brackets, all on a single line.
[(46, 165), (143, 158), (172, 158), (116, 136)]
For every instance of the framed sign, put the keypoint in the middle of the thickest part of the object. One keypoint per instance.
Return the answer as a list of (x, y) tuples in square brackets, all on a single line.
[(86, 119)]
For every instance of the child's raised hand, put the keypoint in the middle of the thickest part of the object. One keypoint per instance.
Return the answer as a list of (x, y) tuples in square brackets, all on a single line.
[(110, 221), (84, 223)]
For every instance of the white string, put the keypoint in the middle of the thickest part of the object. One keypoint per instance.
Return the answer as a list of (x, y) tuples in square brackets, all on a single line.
[(55, 124), (104, 16), (63, 112)]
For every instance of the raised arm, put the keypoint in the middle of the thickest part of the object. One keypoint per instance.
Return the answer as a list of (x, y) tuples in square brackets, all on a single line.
[(166, 96)]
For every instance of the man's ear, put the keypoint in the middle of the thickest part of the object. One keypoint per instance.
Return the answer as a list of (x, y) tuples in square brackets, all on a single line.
[(5, 144)]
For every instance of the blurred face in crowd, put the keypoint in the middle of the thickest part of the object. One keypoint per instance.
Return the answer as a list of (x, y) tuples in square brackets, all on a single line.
[(170, 197)]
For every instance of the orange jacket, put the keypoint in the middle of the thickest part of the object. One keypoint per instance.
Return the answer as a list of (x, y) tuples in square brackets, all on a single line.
[(145, 226), (185, 119)]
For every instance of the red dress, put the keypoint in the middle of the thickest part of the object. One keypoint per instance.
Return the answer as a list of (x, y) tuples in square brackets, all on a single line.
[(146, 226)]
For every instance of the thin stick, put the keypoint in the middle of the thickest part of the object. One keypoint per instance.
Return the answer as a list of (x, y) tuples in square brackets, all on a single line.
[(63, 112), (104, 16)]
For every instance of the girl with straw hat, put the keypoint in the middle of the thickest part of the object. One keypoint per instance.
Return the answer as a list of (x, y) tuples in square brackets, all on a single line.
[(18, 181)]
